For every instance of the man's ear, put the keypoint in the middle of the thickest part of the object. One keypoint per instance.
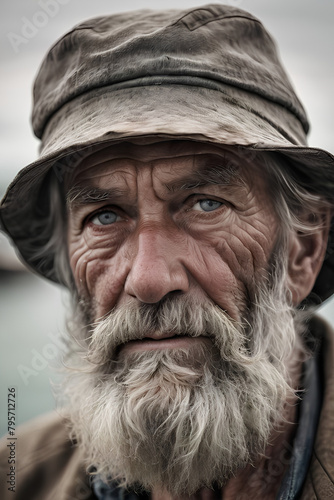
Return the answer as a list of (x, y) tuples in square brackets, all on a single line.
[(306, 255)]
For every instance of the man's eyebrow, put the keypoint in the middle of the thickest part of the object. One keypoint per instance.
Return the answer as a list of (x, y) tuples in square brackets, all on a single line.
[(79, 196), (212, 172)]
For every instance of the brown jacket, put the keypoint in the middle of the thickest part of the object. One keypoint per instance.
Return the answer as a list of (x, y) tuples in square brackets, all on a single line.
[(49, 467)]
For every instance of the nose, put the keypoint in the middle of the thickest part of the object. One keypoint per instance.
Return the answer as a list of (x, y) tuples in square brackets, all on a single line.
[(157, 268)]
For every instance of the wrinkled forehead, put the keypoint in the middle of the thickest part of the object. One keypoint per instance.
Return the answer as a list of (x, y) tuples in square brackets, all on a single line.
[(174, 157)]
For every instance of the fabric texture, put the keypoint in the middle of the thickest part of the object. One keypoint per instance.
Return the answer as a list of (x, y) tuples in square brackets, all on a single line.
[(209, 74), (50, 467)]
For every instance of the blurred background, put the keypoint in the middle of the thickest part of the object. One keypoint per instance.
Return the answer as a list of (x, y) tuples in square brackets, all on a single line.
[(32, 311)]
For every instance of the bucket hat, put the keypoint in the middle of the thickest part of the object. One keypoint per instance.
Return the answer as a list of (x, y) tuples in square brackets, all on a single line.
[(209, 74)]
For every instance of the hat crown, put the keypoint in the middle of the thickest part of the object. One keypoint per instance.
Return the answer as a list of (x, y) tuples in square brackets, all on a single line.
[(216, 43)]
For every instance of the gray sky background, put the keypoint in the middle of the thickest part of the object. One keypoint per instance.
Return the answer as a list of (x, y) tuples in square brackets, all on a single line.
[(303, 30)]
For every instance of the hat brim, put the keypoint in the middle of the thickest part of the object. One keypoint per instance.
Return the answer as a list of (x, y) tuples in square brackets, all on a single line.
[(155, 112)]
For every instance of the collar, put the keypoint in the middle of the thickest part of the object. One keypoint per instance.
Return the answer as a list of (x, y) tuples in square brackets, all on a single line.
[(303, 443)]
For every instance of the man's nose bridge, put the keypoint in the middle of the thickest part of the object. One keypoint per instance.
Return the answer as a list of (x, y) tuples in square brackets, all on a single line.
[(156, 267), (156, 245)]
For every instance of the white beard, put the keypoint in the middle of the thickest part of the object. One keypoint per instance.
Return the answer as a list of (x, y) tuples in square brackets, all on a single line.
[(182, 419)]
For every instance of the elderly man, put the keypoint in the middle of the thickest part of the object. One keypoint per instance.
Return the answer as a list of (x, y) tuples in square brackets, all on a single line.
[(176, 198)]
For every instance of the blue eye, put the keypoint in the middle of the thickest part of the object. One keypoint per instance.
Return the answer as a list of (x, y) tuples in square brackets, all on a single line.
[(105, 218), (207, 205)]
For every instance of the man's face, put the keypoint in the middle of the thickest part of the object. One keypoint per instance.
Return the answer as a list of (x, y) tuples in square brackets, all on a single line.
[(142, 227), (184, 372)]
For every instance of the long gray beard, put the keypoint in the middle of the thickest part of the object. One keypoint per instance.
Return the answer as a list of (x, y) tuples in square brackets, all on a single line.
[(182, 419)]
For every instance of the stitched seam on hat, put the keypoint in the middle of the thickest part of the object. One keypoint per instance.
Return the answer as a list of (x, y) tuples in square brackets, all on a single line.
[(69, 33), (180, 19), (197, 24), (80, 27)]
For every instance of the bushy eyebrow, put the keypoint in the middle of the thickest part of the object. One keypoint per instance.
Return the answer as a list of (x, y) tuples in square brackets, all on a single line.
[(79, 196), (212, 172)]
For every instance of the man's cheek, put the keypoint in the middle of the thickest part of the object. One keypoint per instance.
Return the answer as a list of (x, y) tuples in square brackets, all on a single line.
[(105, 276), (247, 249), (86, 268), (85, 254), (78, 264), (212, 271), (229, 264)]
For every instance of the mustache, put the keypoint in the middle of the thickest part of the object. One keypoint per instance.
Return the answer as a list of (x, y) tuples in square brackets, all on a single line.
[(173, 316)]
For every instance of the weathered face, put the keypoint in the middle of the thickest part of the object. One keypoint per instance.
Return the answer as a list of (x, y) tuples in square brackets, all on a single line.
[(192, 224), (152, 222)]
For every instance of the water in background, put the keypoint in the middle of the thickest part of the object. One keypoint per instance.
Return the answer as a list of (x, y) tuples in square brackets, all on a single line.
[(31, 320)]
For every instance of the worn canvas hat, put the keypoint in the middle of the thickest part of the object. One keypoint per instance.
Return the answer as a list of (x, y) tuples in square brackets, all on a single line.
[(209, 74)]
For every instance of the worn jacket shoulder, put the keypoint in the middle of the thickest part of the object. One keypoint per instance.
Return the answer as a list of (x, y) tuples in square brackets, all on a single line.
[(319, 484), (47, 464)]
